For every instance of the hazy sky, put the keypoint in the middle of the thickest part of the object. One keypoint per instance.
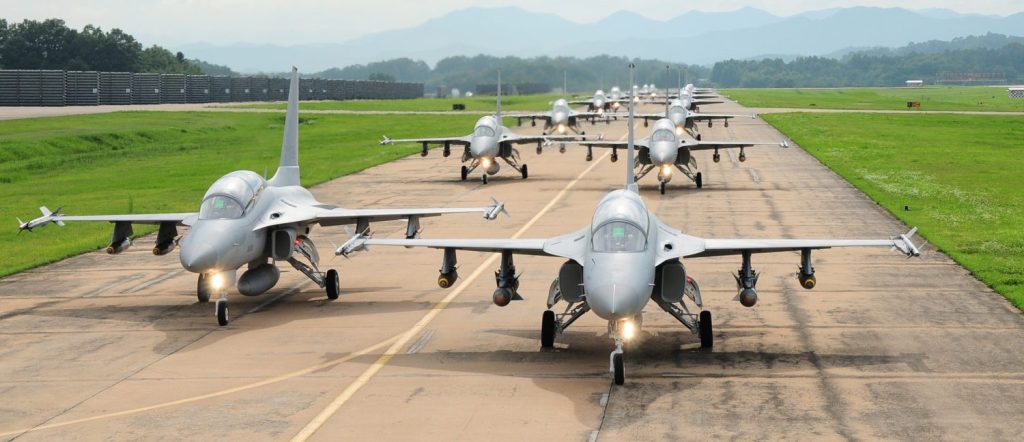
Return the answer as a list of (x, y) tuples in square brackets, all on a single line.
[(305, 21)]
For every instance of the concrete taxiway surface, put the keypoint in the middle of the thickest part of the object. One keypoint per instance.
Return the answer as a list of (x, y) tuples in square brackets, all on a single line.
[(116, 347)]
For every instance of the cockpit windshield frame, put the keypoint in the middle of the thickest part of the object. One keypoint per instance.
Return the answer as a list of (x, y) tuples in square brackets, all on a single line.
[(663, 135), (484, 131), (618, 236)]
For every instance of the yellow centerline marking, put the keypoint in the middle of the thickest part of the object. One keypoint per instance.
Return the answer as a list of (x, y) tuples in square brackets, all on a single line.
[(401, 343)]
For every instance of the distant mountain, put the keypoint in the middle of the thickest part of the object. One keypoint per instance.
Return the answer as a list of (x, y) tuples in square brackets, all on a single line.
[(694, 37)]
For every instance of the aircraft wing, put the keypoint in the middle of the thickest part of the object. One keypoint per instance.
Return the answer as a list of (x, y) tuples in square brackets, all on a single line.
[(462, 141), (686, 246), (609, 144), (705, 101), (715, 145), (705, 117), (58, 218), (526, 139), (326, 215), (571, 246)]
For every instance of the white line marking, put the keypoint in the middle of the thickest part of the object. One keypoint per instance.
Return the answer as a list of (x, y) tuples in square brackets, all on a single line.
[(402, 341)]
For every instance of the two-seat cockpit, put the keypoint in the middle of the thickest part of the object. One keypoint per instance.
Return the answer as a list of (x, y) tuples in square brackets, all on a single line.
[(620, 224), (232, 195)]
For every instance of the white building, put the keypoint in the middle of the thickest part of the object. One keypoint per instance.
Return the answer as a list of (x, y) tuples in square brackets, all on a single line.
[(915, 83)]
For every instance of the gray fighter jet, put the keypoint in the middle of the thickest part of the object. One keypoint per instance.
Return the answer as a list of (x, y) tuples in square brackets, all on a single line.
[(665, 150), (602, 102), (685, 120), (245, 220), (560, 119), (626, 258), (490, 141)]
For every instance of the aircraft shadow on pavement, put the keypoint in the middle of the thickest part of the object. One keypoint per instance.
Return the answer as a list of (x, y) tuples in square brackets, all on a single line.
[(185, 325)]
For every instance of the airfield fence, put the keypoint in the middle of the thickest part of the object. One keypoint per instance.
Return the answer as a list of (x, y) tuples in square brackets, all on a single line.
[(91, 88)]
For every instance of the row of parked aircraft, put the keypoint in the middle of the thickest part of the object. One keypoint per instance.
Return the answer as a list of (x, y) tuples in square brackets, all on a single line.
[(613, 267)]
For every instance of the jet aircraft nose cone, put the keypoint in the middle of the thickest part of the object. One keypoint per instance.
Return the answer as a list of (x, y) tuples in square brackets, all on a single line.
[(199, 258)]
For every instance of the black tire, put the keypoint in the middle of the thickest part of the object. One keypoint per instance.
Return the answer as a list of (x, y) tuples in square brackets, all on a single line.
[(222, 312), (525, 172), (618, 369), (707, 336), (333, 283), (203, 291), (662, 187), (547, 329), (699, 180), (465, 173), (484, 178)]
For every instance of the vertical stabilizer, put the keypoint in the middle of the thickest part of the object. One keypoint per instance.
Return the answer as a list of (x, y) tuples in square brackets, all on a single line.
[(630, 156), (497, 113), (288, 172)]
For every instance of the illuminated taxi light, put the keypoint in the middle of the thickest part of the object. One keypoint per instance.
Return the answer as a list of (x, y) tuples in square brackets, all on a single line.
[(628, 330), (486, 162), (666, 170), (561, 128), (217, 281), (679, 130)]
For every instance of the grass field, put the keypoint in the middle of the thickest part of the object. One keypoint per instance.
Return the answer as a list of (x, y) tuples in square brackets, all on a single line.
[(143, 162), (473, 104), (976, 98), (960, 175)]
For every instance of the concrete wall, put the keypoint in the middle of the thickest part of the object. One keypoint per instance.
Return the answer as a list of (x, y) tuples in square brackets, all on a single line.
[(72, 88)]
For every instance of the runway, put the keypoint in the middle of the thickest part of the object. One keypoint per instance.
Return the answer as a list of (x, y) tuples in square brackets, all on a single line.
[(100, 347)]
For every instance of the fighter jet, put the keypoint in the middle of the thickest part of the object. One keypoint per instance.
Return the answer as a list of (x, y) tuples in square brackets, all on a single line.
[(490, 141), (560, 119), (602, 102), (664, 150), (626, 258), (686, 120), (245, 220)]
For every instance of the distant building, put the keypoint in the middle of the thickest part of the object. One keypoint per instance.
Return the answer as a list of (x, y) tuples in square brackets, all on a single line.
[(915, 83), (456, 92)]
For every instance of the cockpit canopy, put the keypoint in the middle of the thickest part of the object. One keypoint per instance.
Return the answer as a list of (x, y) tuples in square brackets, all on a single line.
[(663, 135), (619, 225), (561, 104), (484, 131), (231, 195)]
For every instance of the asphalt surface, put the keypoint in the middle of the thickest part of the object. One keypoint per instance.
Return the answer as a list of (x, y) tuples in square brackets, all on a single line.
[(102, 347)]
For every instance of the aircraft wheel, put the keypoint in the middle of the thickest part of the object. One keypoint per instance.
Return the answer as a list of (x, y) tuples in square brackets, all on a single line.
[(484, 178), (203, 289), (525, 172), (222, 312), (707, 337), (540, 150), (465, 173), (662, 187), (618, 369), (547, 329), (333, 284), (699, 180), (716, 158)]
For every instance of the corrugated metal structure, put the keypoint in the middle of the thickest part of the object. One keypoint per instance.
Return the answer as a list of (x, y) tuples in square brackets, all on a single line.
[(75, 88)]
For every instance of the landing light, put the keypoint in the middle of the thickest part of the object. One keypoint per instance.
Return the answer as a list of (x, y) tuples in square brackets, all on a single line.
[(679, 130), (666, 170), (486, 162), (628, 330), (217, 281), (561, 128)]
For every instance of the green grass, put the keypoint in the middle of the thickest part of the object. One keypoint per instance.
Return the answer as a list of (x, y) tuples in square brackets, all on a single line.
[(144, 162), (473, 104), (956, 98), (960, 175)]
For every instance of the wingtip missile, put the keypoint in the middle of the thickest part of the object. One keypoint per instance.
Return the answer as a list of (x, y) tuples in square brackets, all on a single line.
[(354, 244), (495, 210), (385, 140), (904, 244), (46, 218)]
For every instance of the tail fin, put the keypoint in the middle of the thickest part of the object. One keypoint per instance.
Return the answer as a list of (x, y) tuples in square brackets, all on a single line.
[(288, 172), (630, 161), (497, 114)]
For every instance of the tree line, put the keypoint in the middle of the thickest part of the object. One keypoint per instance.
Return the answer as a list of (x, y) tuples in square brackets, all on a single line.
[(51, 44), (870, 68), (583, 74)]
